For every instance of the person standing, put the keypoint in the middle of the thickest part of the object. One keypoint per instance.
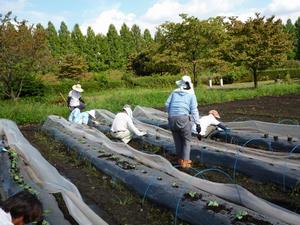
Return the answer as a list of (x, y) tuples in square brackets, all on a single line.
[(181, 106), (123, 128), (74, 98)]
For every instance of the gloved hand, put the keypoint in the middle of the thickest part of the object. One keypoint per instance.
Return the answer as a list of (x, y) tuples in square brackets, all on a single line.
[(198, 128)]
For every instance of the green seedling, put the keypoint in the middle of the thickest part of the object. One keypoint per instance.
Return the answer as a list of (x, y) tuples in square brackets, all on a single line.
[(240, 214), (213, 203), (192, 194)]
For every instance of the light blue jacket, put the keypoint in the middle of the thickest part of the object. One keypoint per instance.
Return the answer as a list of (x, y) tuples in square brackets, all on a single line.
[(181, 102), (77, 117)]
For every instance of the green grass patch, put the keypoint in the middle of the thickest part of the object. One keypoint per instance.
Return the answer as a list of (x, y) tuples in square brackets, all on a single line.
[(36, 110)]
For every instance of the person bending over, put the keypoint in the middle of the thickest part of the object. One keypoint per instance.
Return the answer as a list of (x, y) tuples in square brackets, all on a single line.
[(181, 106), (123, 128), (210, 123), (20, 209)]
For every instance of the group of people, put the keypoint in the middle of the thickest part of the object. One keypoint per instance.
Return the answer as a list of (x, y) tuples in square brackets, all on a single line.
[(183, 118)]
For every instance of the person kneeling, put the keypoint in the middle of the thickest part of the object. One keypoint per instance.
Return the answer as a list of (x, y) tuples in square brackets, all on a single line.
[(123, 128), (21, 208)]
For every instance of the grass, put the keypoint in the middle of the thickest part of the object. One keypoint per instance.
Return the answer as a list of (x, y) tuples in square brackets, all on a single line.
[(36, 110)]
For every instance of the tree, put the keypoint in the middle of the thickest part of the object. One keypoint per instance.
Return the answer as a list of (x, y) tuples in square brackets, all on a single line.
[(114, 58), (53, 40), (258, 43), (64, 39), (297, 25), (23, 52), (291, 29), (78, 40), (127, 41), (192, 41), (137, 38), (73, 66), (148, 40)]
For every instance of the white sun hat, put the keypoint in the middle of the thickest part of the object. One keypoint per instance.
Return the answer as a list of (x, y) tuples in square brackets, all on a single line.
[(184, 79), (77, 87), (92, 113)]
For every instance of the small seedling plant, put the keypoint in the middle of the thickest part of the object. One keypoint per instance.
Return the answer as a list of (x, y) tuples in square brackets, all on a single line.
[(192, 194), (241, 214), (213, 203)]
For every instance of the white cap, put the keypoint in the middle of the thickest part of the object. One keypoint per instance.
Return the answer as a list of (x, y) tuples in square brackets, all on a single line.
[(184, 79), (92, 113), (128, 110), (77, 87)]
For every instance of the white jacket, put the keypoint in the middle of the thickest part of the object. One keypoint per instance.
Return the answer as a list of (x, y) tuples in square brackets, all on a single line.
[(123, 122), (5, 218)]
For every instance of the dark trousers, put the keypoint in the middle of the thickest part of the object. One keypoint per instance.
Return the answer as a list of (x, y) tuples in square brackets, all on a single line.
[(181, 128)]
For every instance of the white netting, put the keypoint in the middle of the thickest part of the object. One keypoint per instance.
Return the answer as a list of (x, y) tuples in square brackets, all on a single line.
[(45, 175)]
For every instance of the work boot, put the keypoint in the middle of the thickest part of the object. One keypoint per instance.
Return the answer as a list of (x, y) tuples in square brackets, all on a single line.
[(185, 164)]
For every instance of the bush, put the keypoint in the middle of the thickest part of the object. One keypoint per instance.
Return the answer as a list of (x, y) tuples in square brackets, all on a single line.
[(157, 81), (274, 74)]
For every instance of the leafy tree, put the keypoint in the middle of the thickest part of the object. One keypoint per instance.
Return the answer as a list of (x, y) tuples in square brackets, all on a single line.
[(137, 38), (258, 43), (291, 29), (53, 40), (78, 40), (73, 66), (297, 25), (23, 52), (114, 57), (64, 39), (148, 40), (127, 40)]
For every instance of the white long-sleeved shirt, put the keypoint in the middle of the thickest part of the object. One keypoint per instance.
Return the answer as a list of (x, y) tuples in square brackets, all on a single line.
[(206, 121), (5, 218), (75, 96), (123, 122)]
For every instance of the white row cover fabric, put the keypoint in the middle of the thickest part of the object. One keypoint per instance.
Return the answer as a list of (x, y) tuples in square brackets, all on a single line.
[(46, 176)]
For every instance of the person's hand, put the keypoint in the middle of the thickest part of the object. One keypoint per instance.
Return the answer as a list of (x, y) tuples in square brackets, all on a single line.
[(198, 128), (143, 133)]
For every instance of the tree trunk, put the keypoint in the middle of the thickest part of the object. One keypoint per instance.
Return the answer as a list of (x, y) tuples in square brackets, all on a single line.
[(255, 77), (194, 74)]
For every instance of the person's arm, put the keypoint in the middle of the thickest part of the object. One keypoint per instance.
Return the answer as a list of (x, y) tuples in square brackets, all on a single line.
[(223, 127), (167, 104), (80, 99), (133, 128), (194, 110), (69, 100)]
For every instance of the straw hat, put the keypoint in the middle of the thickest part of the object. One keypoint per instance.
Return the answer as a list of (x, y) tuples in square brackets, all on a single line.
[(77, 87), (215, 113)]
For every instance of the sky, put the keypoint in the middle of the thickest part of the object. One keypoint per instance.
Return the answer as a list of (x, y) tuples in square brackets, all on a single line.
[(99, 14)]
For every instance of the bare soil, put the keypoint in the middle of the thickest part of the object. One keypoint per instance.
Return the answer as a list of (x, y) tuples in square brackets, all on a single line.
[(267, 108)]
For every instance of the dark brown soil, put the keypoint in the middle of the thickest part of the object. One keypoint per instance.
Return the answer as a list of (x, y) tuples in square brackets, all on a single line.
[(269, 109), (110, 199)]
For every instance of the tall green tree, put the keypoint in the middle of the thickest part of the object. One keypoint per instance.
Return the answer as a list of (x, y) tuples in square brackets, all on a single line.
[(78, 40), (297, 25), (65, 39), (23, 53), (137, 38), (53, 39), (126, 40), (148, 40), (291, 29), (258, 43), (114, 58)]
